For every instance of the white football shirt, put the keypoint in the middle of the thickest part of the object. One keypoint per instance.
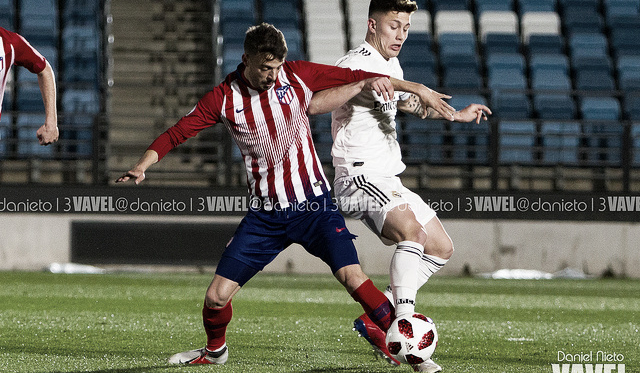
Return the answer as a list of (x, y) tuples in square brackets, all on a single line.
[(364, 129)]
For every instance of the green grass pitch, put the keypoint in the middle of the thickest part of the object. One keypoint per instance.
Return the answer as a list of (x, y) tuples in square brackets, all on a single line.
[(131, 323)]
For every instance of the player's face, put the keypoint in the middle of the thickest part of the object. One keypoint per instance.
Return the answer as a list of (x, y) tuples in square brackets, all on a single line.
[(261, 73), (389, 31)]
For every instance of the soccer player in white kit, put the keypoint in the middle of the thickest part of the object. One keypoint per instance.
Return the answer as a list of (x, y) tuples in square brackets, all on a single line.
[(367, 159)]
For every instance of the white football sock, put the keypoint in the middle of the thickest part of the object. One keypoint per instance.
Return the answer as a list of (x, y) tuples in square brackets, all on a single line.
[(428, 266), (404, 270)]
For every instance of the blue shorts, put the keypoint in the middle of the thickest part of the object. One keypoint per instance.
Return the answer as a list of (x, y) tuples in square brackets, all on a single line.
[(316, 225)]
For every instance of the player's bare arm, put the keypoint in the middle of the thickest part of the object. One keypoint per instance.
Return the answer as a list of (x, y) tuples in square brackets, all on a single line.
[(472, 112), (48, 133), (137, 172), (427, 96), (330, 99)]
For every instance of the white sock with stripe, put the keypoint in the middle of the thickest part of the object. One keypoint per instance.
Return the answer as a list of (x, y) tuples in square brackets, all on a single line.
[(404, 271), (428, 266)]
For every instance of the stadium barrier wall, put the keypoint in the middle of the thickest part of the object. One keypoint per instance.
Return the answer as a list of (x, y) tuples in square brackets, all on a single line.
[(31, 241)]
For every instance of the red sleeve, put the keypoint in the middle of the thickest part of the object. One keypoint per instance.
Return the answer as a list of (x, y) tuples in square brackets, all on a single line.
[(205, 114), (319, 77), (26, 55)]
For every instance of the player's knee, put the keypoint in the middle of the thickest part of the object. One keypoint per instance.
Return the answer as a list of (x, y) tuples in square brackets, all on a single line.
[(442, 248), (215, 299)]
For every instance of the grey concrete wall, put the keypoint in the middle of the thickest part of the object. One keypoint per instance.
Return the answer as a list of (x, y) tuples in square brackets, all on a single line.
[(32, 242)]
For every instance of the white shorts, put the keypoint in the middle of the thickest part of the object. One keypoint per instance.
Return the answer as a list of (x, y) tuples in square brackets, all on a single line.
[(370, 198)]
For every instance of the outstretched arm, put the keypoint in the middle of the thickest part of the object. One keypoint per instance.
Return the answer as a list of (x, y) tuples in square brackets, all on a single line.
[(472, 112), (330, 99), (137, 172), (423, 97), (48, 133)]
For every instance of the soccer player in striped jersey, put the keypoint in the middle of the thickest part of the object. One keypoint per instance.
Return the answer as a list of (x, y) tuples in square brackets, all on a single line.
[(15, 50), (265, 104), (367, 160)]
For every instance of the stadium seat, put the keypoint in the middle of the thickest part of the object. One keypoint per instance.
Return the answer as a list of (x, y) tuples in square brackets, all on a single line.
[(275, 11), (539, 23), (462, 78), (28, 147), (497, 22), (504, 61), (550, 80), (423, 140), (517, 140), (420, 22), (510, 105), (588, 45), (322, 136), (493, 5), (470, 143), (461, 101), (447, 21), (527, 6), (560, 142), (322, 46), (449, 5), (632, 105), (554, 106), (600, 63), (501, 43), (635, 144), (600, 108), (507, 79), (604, 142), (543, 43), (81, 101), (616, 8), (582, 19), (594, 80), (555, 62), (5, 134)]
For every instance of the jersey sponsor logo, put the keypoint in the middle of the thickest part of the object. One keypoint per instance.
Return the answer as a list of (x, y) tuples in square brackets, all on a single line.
[(385, 106), (285, 94)]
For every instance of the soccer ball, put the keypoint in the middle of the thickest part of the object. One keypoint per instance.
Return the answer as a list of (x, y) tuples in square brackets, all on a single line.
[(412, 339)]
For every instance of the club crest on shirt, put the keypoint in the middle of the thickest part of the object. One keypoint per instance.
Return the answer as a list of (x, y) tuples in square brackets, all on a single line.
[(284, 94)]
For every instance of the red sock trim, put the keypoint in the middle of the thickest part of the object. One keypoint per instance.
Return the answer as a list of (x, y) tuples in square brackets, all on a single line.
[(215, 323), (375, 304)]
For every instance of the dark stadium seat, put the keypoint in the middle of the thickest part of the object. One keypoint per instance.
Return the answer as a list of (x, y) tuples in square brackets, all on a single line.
[(632, 105), (501, 43), (600, 108), (439, 5), (492, 5), (560, 142), (517, 141), (510, 105), (537, 6), (543, 43), (5, 133), (423, 140), (581, 19), (604, 142), (27, 124), (456, 77), (635, 143), (556, 106), (546, 61), (594, 80), (551, 80)]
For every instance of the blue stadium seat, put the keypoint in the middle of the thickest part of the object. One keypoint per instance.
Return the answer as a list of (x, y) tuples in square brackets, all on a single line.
[(543, 61), (594, 80), (422, 75), (517, 142), (550, 80), (461, 101), (322, 136), (632, 105), (505, 61), (616, 8), (470, 142), (5, 134), (586, 45), (507, 79), (81, 101), (501, 43), (275, 11), (554, 106), (604, 142), (28, 146), (635, 144), (423, 141), (29, 98), (543, 43), (491, 5), (6, 14), (439, 5), (537, 6), (600, 108), (560, 142), (462, 78), (581, 19), (510, 105), (601, 63)]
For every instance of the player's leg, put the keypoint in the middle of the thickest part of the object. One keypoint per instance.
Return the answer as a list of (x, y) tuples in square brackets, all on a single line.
[(401, 226), (438, 248)]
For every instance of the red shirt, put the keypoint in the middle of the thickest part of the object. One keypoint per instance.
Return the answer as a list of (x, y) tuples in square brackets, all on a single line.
[(270, 127), (15, 50)]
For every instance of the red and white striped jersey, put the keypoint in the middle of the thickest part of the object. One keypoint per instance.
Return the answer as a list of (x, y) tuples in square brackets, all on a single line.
[(270, 127), (15, 50)]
